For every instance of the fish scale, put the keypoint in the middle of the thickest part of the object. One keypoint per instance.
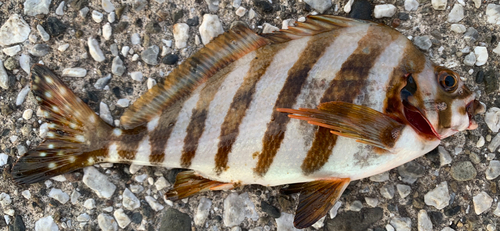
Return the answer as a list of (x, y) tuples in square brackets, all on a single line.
[(316, 106)]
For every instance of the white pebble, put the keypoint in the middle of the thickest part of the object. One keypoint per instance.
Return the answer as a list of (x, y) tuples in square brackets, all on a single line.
[(161, 183), (46, 224), (493, 14), (60, 9), (181, 35), (121, 218), (285, 222), (141, 178), (411, 5), (371, 201), (384, 10), (89, 203), (492, 119), (424, 222), (4, 77), (130, 201), (210, 28), (134, 168), (202, 211), (153, 203), (480, 143), (83, 217), (3, 159), (25, 63), (123, 103), (439, 4), (11, 51), (107, 222), (493, 170), (136, 75), (444, 156), (83, 12), (26, 194), (439, 197), (45, 36), (98, 182), (135, 57), (97, 16), (135, 39), (151, 83), (482, 202), (268, 28), (495, 143), (107, 31), (5, 200), (456, 14), (481, 55), (251, 14), (27, 114), (22, 95), (111, 17), (458, 28), (74, 72), (241, 11), (14, 30), (95, 50), (63, 47), (107, 5), (59, 195), (125, 50)]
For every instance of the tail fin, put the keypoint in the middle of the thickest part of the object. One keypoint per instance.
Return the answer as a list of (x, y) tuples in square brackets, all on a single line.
[(76, 136)]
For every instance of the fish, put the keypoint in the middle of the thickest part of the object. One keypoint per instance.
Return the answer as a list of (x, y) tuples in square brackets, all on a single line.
[(328, 101)]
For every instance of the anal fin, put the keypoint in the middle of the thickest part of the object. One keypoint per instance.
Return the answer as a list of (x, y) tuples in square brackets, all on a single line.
[(316, 199), (362, 123), (188, 183)]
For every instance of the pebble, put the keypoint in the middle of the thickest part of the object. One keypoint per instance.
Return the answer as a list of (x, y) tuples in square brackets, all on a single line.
[(106, 222), (26, 193), (444, 156), (44, 128), (11, 51), (241, 11), (4, 77), (22, 95), (411, 5), (59, 195), (107, 6), (46, 224), (493, 170), (424, 222), (493, 14), (25, 63), (40, 50), (371, 201), (170, 59), (495, 143), (268, 28), (83, 12), (95, 50), (74, 197), (121, 218), (285, 222), (463, 171), (63, 47), (45, 36), (213, 5), (123, 103), (333, 211), (423, 42), (481, 55), (382, 177), (34, 7), (104, 113), (130, 201), (135, 39), (384, 10), (403, 190), (458, 28), (202, 211), (456, 14), (125, 50), (111, 17), (97, 16), (411, 171), (83, 217), (251, 14), (15, 30), (173, 220), (117, 67), (210, 28), (497, 210), (21, 150), (181, 35), (102, 82), (3, 159), (401, 223), (482, 202), (150, 55), (161, 183), (319, 5), (361, 9), (356, 206), (5, 200), (439, 197), (89, 203), (387, 191), (60, 9), (480, 143), (136, 75), (150, 83), (471, 34), (74, 72), (470, 59), (439, 4), (237, 208), (98, 182), (153, 203), (135, 57), (107, 31)]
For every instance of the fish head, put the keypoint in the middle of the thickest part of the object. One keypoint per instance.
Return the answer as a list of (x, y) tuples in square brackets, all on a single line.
[(437, 103)]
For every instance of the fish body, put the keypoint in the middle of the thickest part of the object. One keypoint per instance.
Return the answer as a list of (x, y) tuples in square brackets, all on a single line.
[(324, 103)]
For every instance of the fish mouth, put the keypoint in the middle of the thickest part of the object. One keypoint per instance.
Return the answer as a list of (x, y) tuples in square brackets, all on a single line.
[(473, 108), (418, 121)]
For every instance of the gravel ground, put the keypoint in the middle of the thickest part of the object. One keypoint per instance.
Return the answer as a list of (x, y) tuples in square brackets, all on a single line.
[(455, 187)]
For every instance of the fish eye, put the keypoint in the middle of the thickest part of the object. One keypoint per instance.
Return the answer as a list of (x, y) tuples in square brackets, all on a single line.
[(448, 81)]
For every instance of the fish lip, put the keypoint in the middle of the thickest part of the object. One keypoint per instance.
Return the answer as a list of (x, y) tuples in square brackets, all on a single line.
[(416, 118)]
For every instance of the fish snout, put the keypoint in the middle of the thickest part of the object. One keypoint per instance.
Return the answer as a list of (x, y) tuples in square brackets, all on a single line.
[(473, 108)]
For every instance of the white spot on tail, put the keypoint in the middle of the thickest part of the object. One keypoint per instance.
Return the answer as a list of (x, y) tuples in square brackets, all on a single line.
[(43, 154), (51, 126), (55, 109), (92, 118), (51, 146), (51, 134), (48, 94), (52, 165), (60, 153), (143, 152), (72, 159), (153, 123), (63, 91), (117, 132), (73, 126), (113, 153), (80, 138), (46, 114), (91, 160), (49, 80)]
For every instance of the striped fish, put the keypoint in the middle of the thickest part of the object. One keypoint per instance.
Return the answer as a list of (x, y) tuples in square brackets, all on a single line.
[(316, 106)]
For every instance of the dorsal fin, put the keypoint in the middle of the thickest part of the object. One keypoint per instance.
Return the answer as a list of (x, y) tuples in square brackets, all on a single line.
[(219, 53), (314, 24)]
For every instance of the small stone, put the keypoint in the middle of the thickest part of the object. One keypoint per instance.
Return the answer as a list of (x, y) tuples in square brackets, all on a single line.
[(237, 208), (111, 17), (114, 49), (150, 83), (270, 209), (60, 9), (125, 50), (213, 5), (106, 31), (89, 204), (5, 200), (11, 64), (22, 95), (170, 59), (4, 77), (98, 182), (123, 103), (202, 211), (74, 197), (493, 14), (117, 67), (210, 28), (27, 114), (411, 171), (153, 28), (439, 4), (497, 210), (121, 218), (102, 82), (444, 156), (97, 16), (411, 5), (424, 222), (153, 203), (107, 6), (493, 170), (463, 171), (382, 177), (456, 14), (105, 113), (285, 222), (387, 191), (372, 202), (25, 63), (135, 39), (480, 143), (35, 7), (54, 26), (470, 59), (333, 211), (477, 3), (45, 36), (21, 150), (268, 28), (458, 28), (11, 51), (130, 201), (241, 11), (95, 50), (401, 223), (471, 34), (251, 14), (173, 220), (356, 206), (495, 143), (482, 202), (403, 190), (319, 5), (161, 183), (439, 197), (384, 10), (26, 193), (136, 75), (74, 72), (83, 217), (481, 55), (63, 47), (181, 35), (106, 222), (423, 42), (40, 50), (83, 12), (46, 224)]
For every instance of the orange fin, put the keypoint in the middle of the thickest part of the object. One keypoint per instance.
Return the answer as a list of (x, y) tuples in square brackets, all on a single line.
[(358, 122), (219, 53), (316, 199), (75, 135), (188, 183)]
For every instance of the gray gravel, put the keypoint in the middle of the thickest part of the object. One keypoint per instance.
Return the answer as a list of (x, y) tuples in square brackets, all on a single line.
[(127, 46)]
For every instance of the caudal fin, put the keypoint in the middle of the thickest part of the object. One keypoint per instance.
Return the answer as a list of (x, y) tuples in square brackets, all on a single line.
[(76, 136)]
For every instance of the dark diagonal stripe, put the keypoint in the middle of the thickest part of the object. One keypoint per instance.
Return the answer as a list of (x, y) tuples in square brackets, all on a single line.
[(346, 86), (241, 102), (129, 142), (287, 98), (200, 113)]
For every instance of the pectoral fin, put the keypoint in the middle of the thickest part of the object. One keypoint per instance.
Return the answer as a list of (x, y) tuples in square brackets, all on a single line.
[(358, 122), (188, 183), (316, 199)]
